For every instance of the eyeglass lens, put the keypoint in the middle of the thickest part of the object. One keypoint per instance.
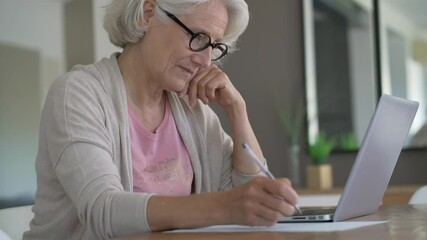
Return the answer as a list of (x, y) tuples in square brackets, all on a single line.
[(201, 41)]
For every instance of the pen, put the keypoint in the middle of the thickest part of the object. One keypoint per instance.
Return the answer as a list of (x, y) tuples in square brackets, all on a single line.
[(263, 168)]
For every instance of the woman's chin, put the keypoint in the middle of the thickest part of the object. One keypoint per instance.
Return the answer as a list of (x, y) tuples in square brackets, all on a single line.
[(181, 93)]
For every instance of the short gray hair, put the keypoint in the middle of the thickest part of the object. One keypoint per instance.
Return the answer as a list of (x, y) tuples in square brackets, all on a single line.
[(122, 18)]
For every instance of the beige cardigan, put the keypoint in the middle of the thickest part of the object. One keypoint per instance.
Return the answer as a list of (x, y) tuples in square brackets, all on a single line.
[(84, 165)]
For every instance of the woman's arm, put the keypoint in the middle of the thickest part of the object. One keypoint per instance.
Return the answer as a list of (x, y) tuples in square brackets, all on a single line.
[(213, 85), (242, 133), (255, 203)]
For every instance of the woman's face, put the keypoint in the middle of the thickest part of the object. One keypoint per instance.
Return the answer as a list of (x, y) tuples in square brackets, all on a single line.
[(171, 62)]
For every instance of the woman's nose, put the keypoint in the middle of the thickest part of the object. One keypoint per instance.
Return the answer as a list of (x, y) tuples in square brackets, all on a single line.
[(203, 58)]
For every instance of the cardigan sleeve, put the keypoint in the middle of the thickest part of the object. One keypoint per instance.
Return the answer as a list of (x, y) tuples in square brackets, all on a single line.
[(93, 184), (81, 150)]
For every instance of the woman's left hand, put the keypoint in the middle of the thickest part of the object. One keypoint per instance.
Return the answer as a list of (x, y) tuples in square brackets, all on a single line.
[(211, 84)]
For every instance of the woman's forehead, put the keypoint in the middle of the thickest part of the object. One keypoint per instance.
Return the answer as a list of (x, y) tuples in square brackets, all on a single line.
[(210, 17)]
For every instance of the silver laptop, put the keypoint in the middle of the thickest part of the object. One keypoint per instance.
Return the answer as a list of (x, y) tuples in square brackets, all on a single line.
[(374, 165)]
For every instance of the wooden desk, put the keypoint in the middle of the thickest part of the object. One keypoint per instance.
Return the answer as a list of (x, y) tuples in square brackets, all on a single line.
[(406, 222)]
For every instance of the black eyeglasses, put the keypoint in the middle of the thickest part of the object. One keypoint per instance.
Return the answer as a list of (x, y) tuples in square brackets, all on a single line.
[(200, 41)]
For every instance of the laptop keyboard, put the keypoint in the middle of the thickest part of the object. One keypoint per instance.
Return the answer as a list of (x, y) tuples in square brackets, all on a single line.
[(316, 211)]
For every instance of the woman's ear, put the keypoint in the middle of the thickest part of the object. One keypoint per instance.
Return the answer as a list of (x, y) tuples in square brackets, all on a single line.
[(149, 7)]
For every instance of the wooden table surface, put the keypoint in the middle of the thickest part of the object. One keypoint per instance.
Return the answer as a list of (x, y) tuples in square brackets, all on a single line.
[(407, 222)]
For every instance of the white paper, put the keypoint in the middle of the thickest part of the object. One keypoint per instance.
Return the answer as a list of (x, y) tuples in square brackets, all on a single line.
[(288, 227)]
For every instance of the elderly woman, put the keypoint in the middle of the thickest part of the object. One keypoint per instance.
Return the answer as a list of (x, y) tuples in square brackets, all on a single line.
[(130, 145)]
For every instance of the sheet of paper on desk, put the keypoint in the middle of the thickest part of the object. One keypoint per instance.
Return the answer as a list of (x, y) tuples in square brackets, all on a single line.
[(288, 227)]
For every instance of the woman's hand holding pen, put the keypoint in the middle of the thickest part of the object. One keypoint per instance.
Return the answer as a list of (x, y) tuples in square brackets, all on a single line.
[(260, 202)]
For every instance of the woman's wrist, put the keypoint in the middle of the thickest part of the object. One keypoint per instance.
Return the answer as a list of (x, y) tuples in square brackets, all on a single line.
[(196, 210), (236, 110)]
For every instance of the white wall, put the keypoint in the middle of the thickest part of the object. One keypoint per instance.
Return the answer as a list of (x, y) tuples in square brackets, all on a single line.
[(31, 44), (19, 120), (32, 55), (103, 47), (37, 25)]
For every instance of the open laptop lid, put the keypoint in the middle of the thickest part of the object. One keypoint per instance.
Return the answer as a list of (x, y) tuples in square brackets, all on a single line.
[(377, 157)]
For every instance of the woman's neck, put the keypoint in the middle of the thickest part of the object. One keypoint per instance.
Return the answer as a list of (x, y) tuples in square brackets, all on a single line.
[(144, 94), (141, 87)]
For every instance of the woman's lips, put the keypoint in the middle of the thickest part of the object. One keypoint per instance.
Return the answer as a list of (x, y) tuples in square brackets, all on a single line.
[(187, 70)]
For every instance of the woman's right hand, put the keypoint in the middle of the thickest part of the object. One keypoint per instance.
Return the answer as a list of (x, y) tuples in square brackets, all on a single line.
[(260, 202)]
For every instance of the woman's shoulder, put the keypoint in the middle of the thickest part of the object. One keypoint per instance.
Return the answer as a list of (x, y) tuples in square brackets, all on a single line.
[(86, 78)]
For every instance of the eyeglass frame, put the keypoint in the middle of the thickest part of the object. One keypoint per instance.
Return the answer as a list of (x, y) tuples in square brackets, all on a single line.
[(220, 46)]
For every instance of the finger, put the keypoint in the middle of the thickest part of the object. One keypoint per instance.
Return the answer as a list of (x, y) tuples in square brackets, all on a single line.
[(259, 215), (293, 197), (212, 74), (282, 188), (184, 92), (267, 217), (193, 86), (287, 190), (192, 92), (265, 191), (217, 83), (201, 87), (278, 204), (210, 84), (285, 181)]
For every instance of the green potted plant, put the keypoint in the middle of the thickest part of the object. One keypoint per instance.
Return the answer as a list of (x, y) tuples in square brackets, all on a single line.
[(319, 171), (320, 149), (348, 142)]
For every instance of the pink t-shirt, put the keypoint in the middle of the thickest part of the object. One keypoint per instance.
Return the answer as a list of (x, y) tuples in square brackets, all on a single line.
[(161, 163)]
